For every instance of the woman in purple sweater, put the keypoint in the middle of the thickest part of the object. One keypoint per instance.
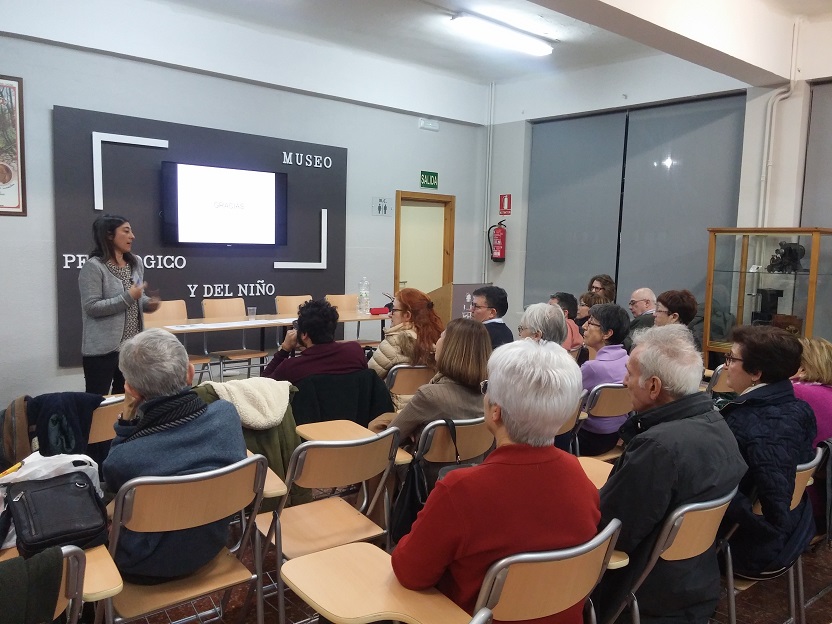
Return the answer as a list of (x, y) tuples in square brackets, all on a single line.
[(813, 384), (604, 331)]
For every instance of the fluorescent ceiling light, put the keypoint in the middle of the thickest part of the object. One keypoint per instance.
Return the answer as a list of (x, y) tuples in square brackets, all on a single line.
[(499, 35)]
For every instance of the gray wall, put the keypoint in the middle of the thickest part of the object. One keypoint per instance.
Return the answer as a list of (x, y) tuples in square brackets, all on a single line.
[(386, 152), (589, 172), (817, 189)]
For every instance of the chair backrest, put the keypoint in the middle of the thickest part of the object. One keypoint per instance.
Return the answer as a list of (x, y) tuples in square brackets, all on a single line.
[(408, 378), (72, 583), (472, 440), (520, 587), (345, 303), (718, 381), (359, 396), (171, 312), (609, 400), (289, 304), (224, 308), (569, 425), (802, 477), (330, 464), (162, 504), (103, 419)]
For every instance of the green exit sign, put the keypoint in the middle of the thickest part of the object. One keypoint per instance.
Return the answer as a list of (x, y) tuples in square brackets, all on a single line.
[(430, 180)]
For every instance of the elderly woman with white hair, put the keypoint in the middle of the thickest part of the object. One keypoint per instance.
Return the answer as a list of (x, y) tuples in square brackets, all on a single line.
[(545, 499), (543, 322), (174, 432)]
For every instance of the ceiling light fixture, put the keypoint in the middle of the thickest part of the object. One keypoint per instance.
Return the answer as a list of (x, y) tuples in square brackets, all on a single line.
[(499, 34)]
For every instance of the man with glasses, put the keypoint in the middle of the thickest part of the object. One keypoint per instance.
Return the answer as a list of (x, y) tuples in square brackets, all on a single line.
[(643, 308), (489, 305), (677, 450)]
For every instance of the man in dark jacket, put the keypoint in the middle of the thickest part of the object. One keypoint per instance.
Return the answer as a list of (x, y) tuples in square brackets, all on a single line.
[(678, 450), (174, 433)]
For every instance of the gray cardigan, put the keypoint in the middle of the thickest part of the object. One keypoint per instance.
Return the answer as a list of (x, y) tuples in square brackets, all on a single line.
[(104, 304)]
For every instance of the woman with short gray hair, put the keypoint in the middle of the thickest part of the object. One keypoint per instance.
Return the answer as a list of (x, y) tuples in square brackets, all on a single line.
[(543, 323)]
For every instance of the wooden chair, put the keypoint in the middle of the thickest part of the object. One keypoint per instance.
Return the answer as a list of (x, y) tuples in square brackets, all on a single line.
[(607, 401), (408, 378), (350, 303), (472, 440), (687, 532), (174, 312), (289, 304), (231, 309), (719, 381), (803, 477), (520, 587), (325, 523), (162, 504), (573, 424)]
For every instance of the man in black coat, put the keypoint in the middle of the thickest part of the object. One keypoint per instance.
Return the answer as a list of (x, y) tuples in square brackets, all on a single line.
[(678, 450)]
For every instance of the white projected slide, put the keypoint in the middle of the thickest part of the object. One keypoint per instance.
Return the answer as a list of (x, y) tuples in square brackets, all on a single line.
[(225, 205)]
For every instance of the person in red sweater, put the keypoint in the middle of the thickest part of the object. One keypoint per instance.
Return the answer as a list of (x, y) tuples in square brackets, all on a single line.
[(526, 496), (317, 320)]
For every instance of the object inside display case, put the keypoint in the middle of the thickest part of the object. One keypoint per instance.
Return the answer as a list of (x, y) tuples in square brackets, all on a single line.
[(787, 258)]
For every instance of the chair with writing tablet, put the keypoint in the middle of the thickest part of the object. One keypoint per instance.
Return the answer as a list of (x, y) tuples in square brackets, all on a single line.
[(220, 310)]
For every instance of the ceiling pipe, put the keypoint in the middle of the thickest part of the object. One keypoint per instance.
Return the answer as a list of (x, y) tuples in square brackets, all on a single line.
[(489, 157), (768, 135)]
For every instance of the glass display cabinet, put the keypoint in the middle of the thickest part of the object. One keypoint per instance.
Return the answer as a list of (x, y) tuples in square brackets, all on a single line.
[(767, 276)]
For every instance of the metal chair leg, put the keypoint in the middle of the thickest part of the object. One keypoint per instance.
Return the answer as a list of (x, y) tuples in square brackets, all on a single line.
[(801, 597)]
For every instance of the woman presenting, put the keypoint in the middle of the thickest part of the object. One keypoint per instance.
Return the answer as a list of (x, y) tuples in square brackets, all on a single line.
[(112, 301)]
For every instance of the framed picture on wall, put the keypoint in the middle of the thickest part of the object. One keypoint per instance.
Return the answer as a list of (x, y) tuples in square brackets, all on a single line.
[(12, 175)]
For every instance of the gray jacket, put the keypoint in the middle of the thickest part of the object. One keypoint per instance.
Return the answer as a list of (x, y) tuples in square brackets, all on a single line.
[(104, 303)]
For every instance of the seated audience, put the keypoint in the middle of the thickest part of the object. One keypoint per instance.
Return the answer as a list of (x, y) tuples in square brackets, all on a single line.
[(585, 302), (317, 321), (678, 450), (174, 432), (604, 331), (569, 305), (604, 285), (489, 306), (413, 335), (675, 306), (643, 308), (526, 496), (775, 432), (543, 323), (813, 384), (461, 356)]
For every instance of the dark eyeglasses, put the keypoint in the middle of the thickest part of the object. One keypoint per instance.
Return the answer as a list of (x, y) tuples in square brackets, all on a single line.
[(635, 301), (593, 324), (730, 359), (521, 329), (396, 310), (484, 386), (474, 306)]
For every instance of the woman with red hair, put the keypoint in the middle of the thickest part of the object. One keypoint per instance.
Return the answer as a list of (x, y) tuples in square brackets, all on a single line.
[(412, 338)]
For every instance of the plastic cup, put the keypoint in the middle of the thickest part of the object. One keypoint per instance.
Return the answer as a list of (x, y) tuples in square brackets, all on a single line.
[(252, 312)]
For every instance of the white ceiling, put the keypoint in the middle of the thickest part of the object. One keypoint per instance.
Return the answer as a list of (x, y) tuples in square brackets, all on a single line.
[(417, 32)]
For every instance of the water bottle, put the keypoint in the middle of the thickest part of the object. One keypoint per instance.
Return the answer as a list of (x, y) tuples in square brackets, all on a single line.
[(364, 296), (466, 308)]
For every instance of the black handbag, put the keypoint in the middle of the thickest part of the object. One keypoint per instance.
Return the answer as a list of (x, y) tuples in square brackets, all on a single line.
[(451, 467), (409, 502), (59, 511)]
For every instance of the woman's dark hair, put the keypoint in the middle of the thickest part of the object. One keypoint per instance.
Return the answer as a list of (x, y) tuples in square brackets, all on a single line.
[(771, 351), (681, 302), (612, 317), (318, 319), (103, 229), (607, 284), (465, 352), (426, 323), (592, 299)]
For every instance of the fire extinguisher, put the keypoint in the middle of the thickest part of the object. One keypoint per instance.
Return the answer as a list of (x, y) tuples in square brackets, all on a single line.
[(497, 244)]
